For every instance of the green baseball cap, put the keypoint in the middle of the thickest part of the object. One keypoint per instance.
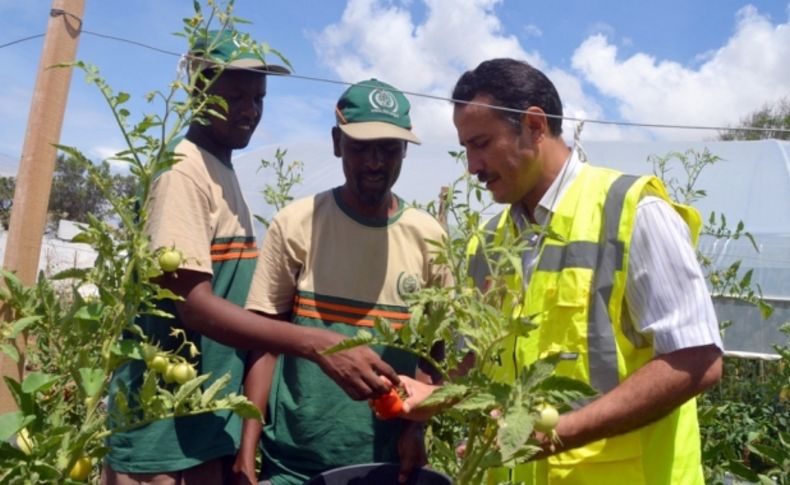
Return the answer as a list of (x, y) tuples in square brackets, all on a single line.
[(371, 110), (222, 48)]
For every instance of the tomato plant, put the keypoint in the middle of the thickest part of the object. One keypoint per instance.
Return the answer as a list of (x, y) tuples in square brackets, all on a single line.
[(77, 339)]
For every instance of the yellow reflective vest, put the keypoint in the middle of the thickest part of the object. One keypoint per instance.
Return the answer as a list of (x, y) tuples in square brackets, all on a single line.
[(576, 295)]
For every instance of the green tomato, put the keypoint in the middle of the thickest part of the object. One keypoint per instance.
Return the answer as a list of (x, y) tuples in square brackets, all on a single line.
[(149, 352), (81, 469), (547, 419), (168, 375), (182, 372), (170, 260), (158, 363)]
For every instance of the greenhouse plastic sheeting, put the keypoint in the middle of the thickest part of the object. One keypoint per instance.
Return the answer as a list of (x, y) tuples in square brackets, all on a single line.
[(750, 183)]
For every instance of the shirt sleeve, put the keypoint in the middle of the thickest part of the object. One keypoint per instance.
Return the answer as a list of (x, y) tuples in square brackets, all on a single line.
[(666, 293), (179, 215), (274, 282)]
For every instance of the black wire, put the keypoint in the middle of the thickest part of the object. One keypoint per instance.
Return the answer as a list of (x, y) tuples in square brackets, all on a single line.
[(19, 41), (433, 97)]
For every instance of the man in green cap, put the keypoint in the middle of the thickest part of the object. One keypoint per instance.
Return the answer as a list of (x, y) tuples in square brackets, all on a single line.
[(339, 260), (197, 207)]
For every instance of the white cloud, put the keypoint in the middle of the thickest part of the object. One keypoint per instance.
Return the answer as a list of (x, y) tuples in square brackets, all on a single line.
[(380, 39), (533, 30), (751, 69)]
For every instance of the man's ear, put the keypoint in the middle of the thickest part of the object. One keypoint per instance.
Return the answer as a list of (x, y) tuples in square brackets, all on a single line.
[(336, 134), (535, 122)]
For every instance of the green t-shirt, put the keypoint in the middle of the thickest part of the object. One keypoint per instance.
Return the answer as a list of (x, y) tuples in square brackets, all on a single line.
[(197, 207), (333, 269)]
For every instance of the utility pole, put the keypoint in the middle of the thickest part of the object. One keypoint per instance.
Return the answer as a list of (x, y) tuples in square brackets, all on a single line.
[(34, 180)]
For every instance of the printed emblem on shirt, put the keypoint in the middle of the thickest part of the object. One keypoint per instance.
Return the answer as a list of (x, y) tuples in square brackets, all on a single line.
[(407, 284)]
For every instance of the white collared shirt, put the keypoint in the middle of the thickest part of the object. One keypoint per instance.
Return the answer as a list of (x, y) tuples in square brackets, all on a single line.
[(666, 296)]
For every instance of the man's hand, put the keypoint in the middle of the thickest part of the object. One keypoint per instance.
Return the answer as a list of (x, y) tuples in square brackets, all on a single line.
[(244, 471), (357, 371), (416, 393), (411, 449)]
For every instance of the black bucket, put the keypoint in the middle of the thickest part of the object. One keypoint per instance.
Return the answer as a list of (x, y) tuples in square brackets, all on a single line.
[(377, 474)]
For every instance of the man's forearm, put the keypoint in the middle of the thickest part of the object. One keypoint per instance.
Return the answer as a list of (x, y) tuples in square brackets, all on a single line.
[(649, 394), (257, 385)]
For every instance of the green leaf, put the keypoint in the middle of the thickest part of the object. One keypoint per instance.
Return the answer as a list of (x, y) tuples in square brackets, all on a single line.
[(155, 312), (539, 371), (363, 337), (567, 384), (11, 423), (477, 402), (25, 402), (747, 279), (244, 408), (89, 313), (91, 380), (188, 388), (38, 381), (210, 393), (514, 431), (20, 325), (165, 294), (742, 471), (766, 310), (82, 237), (148, 389), (776, 456), (447, 394), (10, 351), (13, 283), (131, 349), (766, 480), (76, 273)]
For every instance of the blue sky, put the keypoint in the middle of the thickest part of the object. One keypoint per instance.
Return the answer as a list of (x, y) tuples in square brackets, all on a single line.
[(688, 62)]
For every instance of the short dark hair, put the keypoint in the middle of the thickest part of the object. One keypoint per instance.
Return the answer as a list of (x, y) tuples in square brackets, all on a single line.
[(512, 84)]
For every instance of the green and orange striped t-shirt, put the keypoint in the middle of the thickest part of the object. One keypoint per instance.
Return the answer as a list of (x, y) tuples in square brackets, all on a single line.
[(197, 207), (333, 269)]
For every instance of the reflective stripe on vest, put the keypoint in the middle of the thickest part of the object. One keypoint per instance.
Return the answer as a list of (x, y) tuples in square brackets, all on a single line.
[(604, 258)]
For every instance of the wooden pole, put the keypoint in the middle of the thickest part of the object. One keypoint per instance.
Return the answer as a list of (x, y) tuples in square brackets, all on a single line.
[(34, 180)]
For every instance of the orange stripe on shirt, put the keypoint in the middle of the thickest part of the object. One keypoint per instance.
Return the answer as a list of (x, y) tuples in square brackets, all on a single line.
[(234, 255), (351, 309), (232, 245), (340, 318)]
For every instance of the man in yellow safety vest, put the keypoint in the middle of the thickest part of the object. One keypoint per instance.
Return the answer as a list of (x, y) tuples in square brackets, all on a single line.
[(616, 288)]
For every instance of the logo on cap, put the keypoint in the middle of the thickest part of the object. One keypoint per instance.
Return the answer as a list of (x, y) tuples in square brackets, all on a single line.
[(383, 101)]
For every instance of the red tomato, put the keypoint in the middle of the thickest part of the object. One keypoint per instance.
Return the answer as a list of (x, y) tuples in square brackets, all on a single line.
[(389, 405)]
